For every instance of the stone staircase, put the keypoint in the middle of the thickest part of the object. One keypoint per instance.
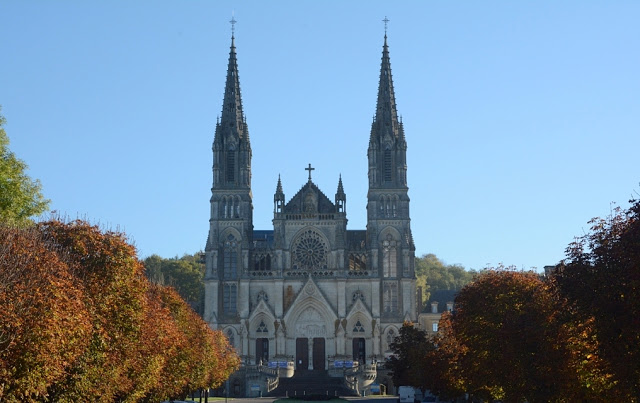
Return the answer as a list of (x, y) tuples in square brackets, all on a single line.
[(312, 383)]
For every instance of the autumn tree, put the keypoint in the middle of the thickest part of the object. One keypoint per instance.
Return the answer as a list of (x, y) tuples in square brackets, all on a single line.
[(120, 360), (44, 325), (81, 322), (112, 279), (445, 379), (601, 281), (20, 196), (506, 322)]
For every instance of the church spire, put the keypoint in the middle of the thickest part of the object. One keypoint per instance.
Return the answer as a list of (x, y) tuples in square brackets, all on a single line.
[(232, 114), (231, 145), (341, 197), (386, 117), (278, 198)]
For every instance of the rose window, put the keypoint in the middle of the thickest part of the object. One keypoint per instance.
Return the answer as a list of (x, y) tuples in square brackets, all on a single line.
[(309, 251)]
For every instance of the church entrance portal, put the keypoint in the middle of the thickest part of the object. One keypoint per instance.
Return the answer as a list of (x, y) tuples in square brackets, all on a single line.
[(262, 350), (359, 352), (317, 356)]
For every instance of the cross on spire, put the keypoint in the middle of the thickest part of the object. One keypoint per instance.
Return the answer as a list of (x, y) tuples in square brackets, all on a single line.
[(309, 169), (386, 22), (233, 25)]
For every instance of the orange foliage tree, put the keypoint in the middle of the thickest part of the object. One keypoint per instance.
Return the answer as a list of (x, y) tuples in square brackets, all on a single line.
[(509, 340), (44, 323), (81, 322)]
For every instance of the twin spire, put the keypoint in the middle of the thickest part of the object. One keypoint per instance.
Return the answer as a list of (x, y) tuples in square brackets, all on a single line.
[(386, 117), (233, 122), (232, 114)]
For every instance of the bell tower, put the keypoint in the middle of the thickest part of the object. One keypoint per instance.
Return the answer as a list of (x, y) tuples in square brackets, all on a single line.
[(231, 222), (391, 248)]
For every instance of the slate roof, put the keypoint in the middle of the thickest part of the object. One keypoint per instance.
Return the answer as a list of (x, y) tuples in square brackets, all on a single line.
[(441, 297), (263, 238), (296, 204)]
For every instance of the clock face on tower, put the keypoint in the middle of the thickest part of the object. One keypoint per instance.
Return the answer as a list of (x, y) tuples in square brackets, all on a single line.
[(309, 251)]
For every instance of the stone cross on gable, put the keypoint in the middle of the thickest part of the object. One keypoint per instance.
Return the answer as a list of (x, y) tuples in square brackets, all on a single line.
[(309, 169)]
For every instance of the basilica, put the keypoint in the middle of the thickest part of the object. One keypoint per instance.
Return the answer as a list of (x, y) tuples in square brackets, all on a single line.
[(310, 294)]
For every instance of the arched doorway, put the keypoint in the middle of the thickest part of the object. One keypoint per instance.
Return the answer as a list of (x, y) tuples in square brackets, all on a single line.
[(359, 350)]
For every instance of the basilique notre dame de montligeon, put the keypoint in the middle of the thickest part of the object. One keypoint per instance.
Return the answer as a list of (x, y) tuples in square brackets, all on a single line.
[(310, 294)]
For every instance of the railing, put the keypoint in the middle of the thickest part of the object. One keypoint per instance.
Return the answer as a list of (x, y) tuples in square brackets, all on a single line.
[(360, 376), (310, 216), (272, 383)]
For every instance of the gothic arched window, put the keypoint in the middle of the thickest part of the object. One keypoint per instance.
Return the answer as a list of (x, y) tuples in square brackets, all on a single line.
[(390, 298), (231, 165), (231, 337), (230, 297), (389, 257), (390, 336), (230, 258), (262, 262), (387, 166)]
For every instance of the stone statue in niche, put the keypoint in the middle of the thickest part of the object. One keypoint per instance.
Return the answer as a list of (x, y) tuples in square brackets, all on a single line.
[(310, 204)]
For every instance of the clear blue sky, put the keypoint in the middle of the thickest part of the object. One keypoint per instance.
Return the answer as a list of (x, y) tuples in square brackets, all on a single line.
[(522, 117)]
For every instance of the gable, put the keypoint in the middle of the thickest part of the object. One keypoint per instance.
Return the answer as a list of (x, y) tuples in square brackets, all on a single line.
[(310, 200)]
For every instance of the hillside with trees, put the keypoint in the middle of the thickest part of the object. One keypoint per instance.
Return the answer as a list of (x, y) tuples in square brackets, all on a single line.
[(184, 274), (433, 274)]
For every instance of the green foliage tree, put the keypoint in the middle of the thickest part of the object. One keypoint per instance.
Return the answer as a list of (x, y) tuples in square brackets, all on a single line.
[(185, 274), (601, 281), (432, 274), (408, 364), (20, 197)]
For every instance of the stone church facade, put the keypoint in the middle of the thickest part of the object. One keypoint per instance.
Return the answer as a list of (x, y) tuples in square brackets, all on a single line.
[(309, 291)]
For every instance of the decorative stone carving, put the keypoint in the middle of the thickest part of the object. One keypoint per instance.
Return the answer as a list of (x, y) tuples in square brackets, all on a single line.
[(311, 324), (309, 251)]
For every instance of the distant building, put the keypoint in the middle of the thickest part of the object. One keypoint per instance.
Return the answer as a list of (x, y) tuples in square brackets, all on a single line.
[(439, 302), (310, 292)]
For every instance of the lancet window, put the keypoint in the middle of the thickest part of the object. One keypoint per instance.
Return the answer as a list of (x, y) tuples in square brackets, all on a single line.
[(229, 300), (391, 335), (231, 338), (230, 258), (231, 166), (390, 298), (387, 166), (230, 207), (389, 257), (262, 262), (357, 261)]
